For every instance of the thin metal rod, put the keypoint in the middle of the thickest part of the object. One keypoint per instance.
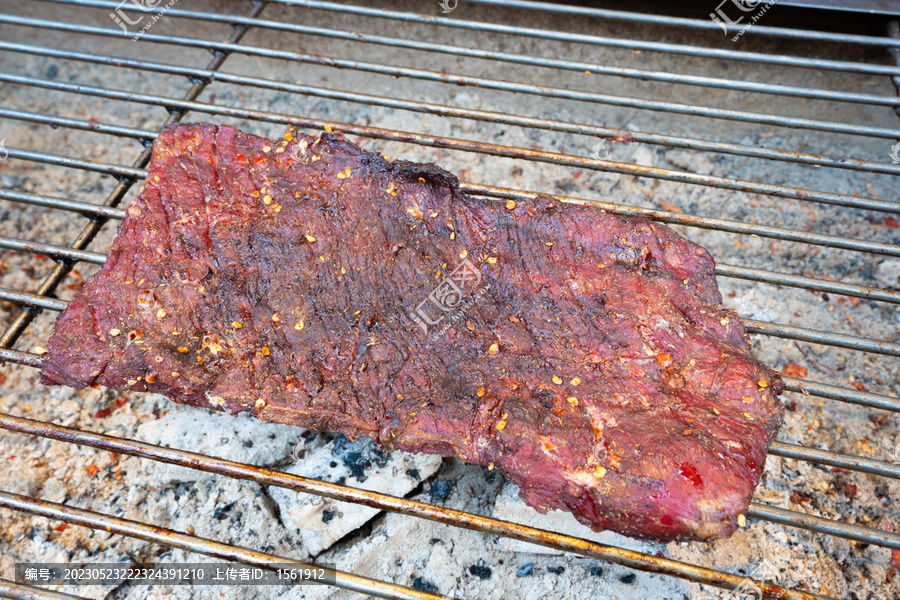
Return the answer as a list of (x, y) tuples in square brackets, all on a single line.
[(819, 239), (753, 326), (57, 121), (56, 276), (85, 208), (795, 385), (709, 25), (833, 392), (455, 144), (192, 543), (568, 36), (817, 524), (460, 80), (26, 299), (662, 216), (840, 340), (834, 459), (415, 508), (722, 269), (58, 252), (20, 591), (617, 135), (76, 163), (809, 283), (59, 272), (18, 357), (740, 85)]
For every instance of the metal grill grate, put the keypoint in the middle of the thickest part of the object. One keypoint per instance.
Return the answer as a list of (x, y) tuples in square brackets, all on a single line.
[(95, 214)]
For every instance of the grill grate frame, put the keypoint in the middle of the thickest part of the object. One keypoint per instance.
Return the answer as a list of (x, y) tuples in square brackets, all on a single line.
[(98, 214)]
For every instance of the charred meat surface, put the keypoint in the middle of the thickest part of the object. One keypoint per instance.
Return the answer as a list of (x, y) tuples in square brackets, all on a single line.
[(586, 356)]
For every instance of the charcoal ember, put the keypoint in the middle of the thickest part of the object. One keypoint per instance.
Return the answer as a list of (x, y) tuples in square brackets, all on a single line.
[(584, 355)]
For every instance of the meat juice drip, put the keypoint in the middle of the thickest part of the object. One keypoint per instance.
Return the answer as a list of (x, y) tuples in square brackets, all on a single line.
[(690, 473)]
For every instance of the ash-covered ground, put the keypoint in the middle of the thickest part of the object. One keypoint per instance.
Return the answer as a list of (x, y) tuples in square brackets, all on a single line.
[(415, 552)]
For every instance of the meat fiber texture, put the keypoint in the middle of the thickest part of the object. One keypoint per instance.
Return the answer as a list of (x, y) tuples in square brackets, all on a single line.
[(586, 356)]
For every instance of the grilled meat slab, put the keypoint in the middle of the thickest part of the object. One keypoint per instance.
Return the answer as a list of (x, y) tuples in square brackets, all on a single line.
[(585, 355)]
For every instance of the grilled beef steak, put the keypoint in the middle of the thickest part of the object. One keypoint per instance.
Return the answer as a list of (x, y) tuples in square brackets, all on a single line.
[(584, 355)]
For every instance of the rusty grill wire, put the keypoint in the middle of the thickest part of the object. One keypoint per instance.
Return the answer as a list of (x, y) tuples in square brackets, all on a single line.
[(99, 213)]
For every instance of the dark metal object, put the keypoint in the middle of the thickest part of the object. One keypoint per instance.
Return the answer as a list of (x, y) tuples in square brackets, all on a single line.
[(663, 216), (507, 193), (642, 45), (797, 385), (60, 252), (863, 398), (56, 121), (874, 7), (722, 269), (703, 24), (27, 359), (826, 526), (26, 299), (85, 208), (823, 337), (832, 392)]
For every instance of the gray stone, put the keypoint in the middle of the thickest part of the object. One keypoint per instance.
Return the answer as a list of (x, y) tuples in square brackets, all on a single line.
[(241, 439), (320, 522), (888, 274)]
